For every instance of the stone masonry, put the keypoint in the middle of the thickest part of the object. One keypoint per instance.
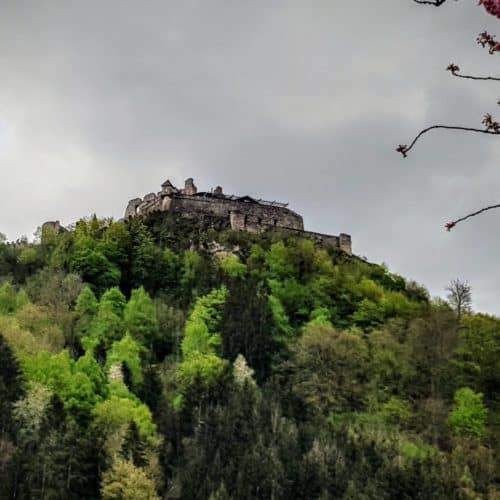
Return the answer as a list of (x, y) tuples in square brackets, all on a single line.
[(244, 213)]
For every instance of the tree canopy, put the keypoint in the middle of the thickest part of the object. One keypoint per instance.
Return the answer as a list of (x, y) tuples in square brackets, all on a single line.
[(277, 368)]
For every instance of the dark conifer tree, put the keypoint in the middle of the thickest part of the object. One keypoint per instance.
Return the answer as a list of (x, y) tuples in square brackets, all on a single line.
[(248, 326)]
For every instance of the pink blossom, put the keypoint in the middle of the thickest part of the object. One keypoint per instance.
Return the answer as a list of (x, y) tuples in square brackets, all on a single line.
[(491, 6)]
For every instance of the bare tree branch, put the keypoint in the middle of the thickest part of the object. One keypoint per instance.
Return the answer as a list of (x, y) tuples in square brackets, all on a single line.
[(436, 3), (492, 127), (404, 149), (460, 297), (450, 225), (454, 70)]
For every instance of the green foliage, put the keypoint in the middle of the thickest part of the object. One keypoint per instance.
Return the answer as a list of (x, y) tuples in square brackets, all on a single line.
[(249, 328), (278, 262), (241, 366), (68, 380), (87, 365), (284, 329), (476, 361), (29, 256), (201, 346), (192, 268), (140, 317), (125, 481), (113, 301), (108, 325), (206, 369), (29, 412), (201, 335), (85, 311), (391, 361), (56, 289), (127, 351), (368, 289), (320, 316), (433, 338), (86, 304), (368, 313), (21, 341), (170, 329), (10, 300), (232, 266), (468, 417), (11, 387), (330, 370), (40, 323), (198, 339), (95, 268), (396, 411), (172, 269), (416, 451), (114, 415), (146, 256)]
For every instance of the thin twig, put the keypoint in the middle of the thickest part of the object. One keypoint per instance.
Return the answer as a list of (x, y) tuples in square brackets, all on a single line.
[(450, 225), (436, 3), (404, 149), (455, 69)]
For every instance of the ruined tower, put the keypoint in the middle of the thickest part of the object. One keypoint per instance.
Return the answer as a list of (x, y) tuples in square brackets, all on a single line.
[(189, 188)]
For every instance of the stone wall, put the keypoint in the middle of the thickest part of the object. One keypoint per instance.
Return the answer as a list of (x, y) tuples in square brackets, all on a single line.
[(243, 213), (54, 226), (254, 217), (343, 241), (131, 210)]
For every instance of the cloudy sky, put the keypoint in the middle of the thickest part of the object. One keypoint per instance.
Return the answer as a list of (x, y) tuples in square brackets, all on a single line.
[(301, 101)]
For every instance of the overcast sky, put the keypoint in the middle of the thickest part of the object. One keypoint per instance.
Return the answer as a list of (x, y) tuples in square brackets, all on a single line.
[(299, 101)]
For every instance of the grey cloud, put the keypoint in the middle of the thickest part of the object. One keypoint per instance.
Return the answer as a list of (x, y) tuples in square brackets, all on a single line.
[(300, 101)]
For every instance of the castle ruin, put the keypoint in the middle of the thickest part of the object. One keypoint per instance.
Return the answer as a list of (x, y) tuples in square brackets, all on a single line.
[(243, 213)]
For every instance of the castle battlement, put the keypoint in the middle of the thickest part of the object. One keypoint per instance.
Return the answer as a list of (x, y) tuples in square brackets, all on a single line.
[(243, 213)]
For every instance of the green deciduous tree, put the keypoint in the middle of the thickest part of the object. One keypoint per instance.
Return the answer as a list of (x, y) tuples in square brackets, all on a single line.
[(113, 416), (67, 379), (125, 481), (202, 367), (95, 268), (40, 323), (108, 324), (232, 266), (10, 300), (201, 336), (469, 414), (86, 309), (127, 352), (433, 339), (476, 361), (330, 370), (140, 318)]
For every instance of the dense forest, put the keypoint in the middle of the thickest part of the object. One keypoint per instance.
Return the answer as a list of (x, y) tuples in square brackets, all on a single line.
[(171, 358)]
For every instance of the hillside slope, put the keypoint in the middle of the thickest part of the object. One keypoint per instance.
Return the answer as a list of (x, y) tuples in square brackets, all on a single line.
[(171, 358)]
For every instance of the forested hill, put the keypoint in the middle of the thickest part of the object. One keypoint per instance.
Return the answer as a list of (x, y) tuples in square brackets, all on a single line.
[(166, 358)]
